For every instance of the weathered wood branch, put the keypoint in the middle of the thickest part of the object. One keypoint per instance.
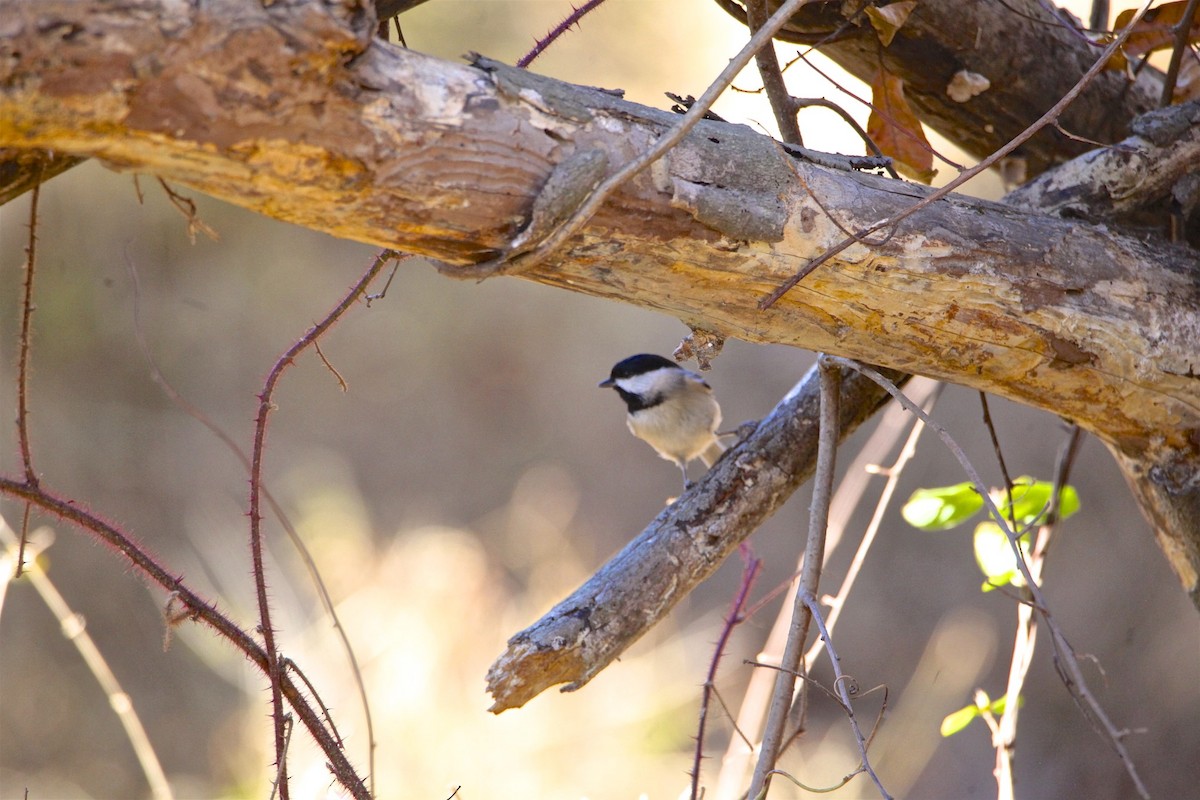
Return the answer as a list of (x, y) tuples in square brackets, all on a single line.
[(684, 544), (1029, 54), (294, 111), (1135, 182)]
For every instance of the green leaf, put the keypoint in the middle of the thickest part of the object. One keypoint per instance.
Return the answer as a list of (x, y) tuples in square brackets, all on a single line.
[(955, 721), (1031, 497), (941, 507), (995, 557)]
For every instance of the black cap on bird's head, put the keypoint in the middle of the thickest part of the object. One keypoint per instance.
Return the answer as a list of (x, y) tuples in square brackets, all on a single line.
[(637, 365)]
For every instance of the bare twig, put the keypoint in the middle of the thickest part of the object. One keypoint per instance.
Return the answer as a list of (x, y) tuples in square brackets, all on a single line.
[(821, 102), (841, 687), (74, 629), (730, 783), (187, 207), (1008, 481), (782, 103), (966, 175), (557, 31), (285, 522), (1069, 668), (735, 617), (24, 343), (274, 663), (193, 607), (1182, 45), (881, 112), (838, 602), (814, 556)]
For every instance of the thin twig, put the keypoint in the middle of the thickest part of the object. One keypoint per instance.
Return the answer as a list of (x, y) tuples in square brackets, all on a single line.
[(735, 617), (749, 720), (277, 509), (24, 343), (966, 175), (840, 686), (783, 105), (814, 554), (821, 102), (196, 608), (1183, 30), (557, 31), (1004, 734), (23, 346), (1073, 677), (838, 601), (73, 628), (1008, 481), (881, 112), (274, 664)]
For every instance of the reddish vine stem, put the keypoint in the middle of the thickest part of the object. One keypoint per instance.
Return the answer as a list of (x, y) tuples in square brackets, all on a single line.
[(196, 608), (275, 668), (23, 368), (23, 351), (557, 31), (750, 570)]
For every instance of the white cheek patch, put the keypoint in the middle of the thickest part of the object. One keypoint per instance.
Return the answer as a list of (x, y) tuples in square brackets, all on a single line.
[(648, 384)]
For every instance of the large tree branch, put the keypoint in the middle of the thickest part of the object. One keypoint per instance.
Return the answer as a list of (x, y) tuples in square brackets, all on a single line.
[(293, 111), (682, 546)]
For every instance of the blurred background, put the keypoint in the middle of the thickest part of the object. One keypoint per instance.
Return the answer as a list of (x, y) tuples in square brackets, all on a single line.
[(470, 477)]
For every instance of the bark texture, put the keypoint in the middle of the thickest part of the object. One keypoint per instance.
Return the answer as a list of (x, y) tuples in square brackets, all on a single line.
[(294, 111)]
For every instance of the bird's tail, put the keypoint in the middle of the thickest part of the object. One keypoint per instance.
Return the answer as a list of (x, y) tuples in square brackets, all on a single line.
[(712, 453)]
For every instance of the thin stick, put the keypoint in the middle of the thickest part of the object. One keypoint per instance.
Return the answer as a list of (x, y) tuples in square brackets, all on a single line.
[(1073, 677), (966, 175), (732, 620), (274, 665), (24, 342), (749, 721), (821, 102), (814, 554), (285, 522), (840, 682), (74, 629), (783, 105), (557, 31), (1005, 732), (838, 602), (193, 607), (23, 369), (1182, 45)]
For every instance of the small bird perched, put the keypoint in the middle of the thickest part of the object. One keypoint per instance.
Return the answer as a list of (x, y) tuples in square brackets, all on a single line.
[(670, 408)]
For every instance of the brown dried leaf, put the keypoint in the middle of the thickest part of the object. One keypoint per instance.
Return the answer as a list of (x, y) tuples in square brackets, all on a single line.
[(886, 20), (1155, 30), (896, 130)]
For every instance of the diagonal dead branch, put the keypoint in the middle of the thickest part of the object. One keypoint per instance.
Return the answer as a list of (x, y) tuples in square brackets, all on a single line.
[(679, 549)]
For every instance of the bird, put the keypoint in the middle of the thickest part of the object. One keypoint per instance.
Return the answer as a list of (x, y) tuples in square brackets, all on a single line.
[(670, 408)]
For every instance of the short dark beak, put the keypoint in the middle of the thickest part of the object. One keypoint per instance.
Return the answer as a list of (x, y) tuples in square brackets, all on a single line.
[(605, 384)]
